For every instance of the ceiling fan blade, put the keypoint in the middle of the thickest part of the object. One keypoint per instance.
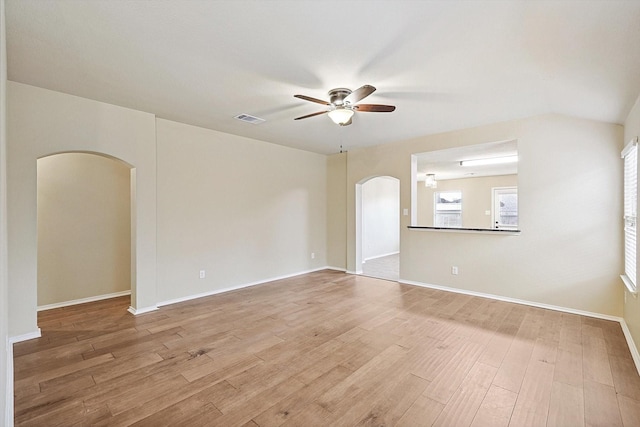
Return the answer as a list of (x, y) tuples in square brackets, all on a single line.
[(311, 115), (374, 108), (359, 94), (308, 98)]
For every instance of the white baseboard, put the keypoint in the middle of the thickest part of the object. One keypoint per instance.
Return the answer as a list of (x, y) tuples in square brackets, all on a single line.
[(83, 300), (380, 256), (514, 300), (242, 286), (25, 337), (138, 311), (627, 334), (632, 345)]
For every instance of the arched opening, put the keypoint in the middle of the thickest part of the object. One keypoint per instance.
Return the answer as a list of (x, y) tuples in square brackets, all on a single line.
[(85, 211), (378, 227)]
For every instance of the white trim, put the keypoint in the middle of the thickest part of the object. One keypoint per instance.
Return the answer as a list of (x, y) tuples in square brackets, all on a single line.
[(241, 286), (83, 300), (25, 337), (358, 272), (628, 284), (139, 311), (632, 345), (9, 386), (380, 256), (629, 146), (514, 300)]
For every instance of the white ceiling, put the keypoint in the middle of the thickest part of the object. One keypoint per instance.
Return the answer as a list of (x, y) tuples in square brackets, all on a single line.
[(445, 65)]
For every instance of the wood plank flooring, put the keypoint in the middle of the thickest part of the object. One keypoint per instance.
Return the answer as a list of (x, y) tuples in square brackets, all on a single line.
[(325, 349)]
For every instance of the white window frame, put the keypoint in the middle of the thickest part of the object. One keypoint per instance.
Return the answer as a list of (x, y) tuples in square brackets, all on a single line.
[(435, 207), (630, 157), (495, 211)]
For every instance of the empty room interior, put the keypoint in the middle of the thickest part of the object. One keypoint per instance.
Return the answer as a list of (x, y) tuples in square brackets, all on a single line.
[(319, 213)]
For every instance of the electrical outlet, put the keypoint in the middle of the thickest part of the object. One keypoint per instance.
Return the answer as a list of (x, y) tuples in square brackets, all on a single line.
[(454, 270), (202, 274), (313, 255)]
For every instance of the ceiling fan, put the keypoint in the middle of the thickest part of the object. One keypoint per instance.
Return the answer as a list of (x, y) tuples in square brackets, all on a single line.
[(343, 103)]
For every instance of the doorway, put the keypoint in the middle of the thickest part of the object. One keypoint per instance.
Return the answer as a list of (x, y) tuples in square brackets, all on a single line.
[(84, 218), (378, 228)]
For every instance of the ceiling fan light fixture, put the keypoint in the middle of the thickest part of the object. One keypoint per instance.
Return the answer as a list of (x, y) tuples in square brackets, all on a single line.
[(341, 115), (344, 103)]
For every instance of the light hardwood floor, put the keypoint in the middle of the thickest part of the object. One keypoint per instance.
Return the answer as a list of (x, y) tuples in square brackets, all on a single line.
[(326, 349)]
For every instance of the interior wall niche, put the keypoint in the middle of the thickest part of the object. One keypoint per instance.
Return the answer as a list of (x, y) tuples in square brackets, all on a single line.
[(84, 227), (472, 187)]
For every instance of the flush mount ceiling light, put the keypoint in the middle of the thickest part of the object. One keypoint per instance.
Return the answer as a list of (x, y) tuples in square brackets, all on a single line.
[(430, 181), (341, 115), (491, 161)]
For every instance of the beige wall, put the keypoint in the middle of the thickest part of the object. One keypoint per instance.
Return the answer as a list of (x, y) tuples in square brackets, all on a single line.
[(569, 251), (632, 302), (84, 227), (337, 211), (476, 198), (240, 209), (43, 122)]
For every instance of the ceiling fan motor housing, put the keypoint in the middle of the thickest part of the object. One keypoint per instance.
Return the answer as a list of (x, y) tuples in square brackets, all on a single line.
[(337, 96)]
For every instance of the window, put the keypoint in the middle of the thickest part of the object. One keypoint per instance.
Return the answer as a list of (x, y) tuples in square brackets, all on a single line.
[(505, 208), (630, 156), (448, 209)]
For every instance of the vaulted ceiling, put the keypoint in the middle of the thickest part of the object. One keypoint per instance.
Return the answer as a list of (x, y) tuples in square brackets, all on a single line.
[(444, 64)]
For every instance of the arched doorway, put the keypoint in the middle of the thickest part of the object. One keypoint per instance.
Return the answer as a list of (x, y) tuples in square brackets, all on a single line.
[(378, 227), (85, 206)]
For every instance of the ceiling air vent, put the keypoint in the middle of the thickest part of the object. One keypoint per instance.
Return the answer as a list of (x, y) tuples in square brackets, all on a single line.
[(249, 119)]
